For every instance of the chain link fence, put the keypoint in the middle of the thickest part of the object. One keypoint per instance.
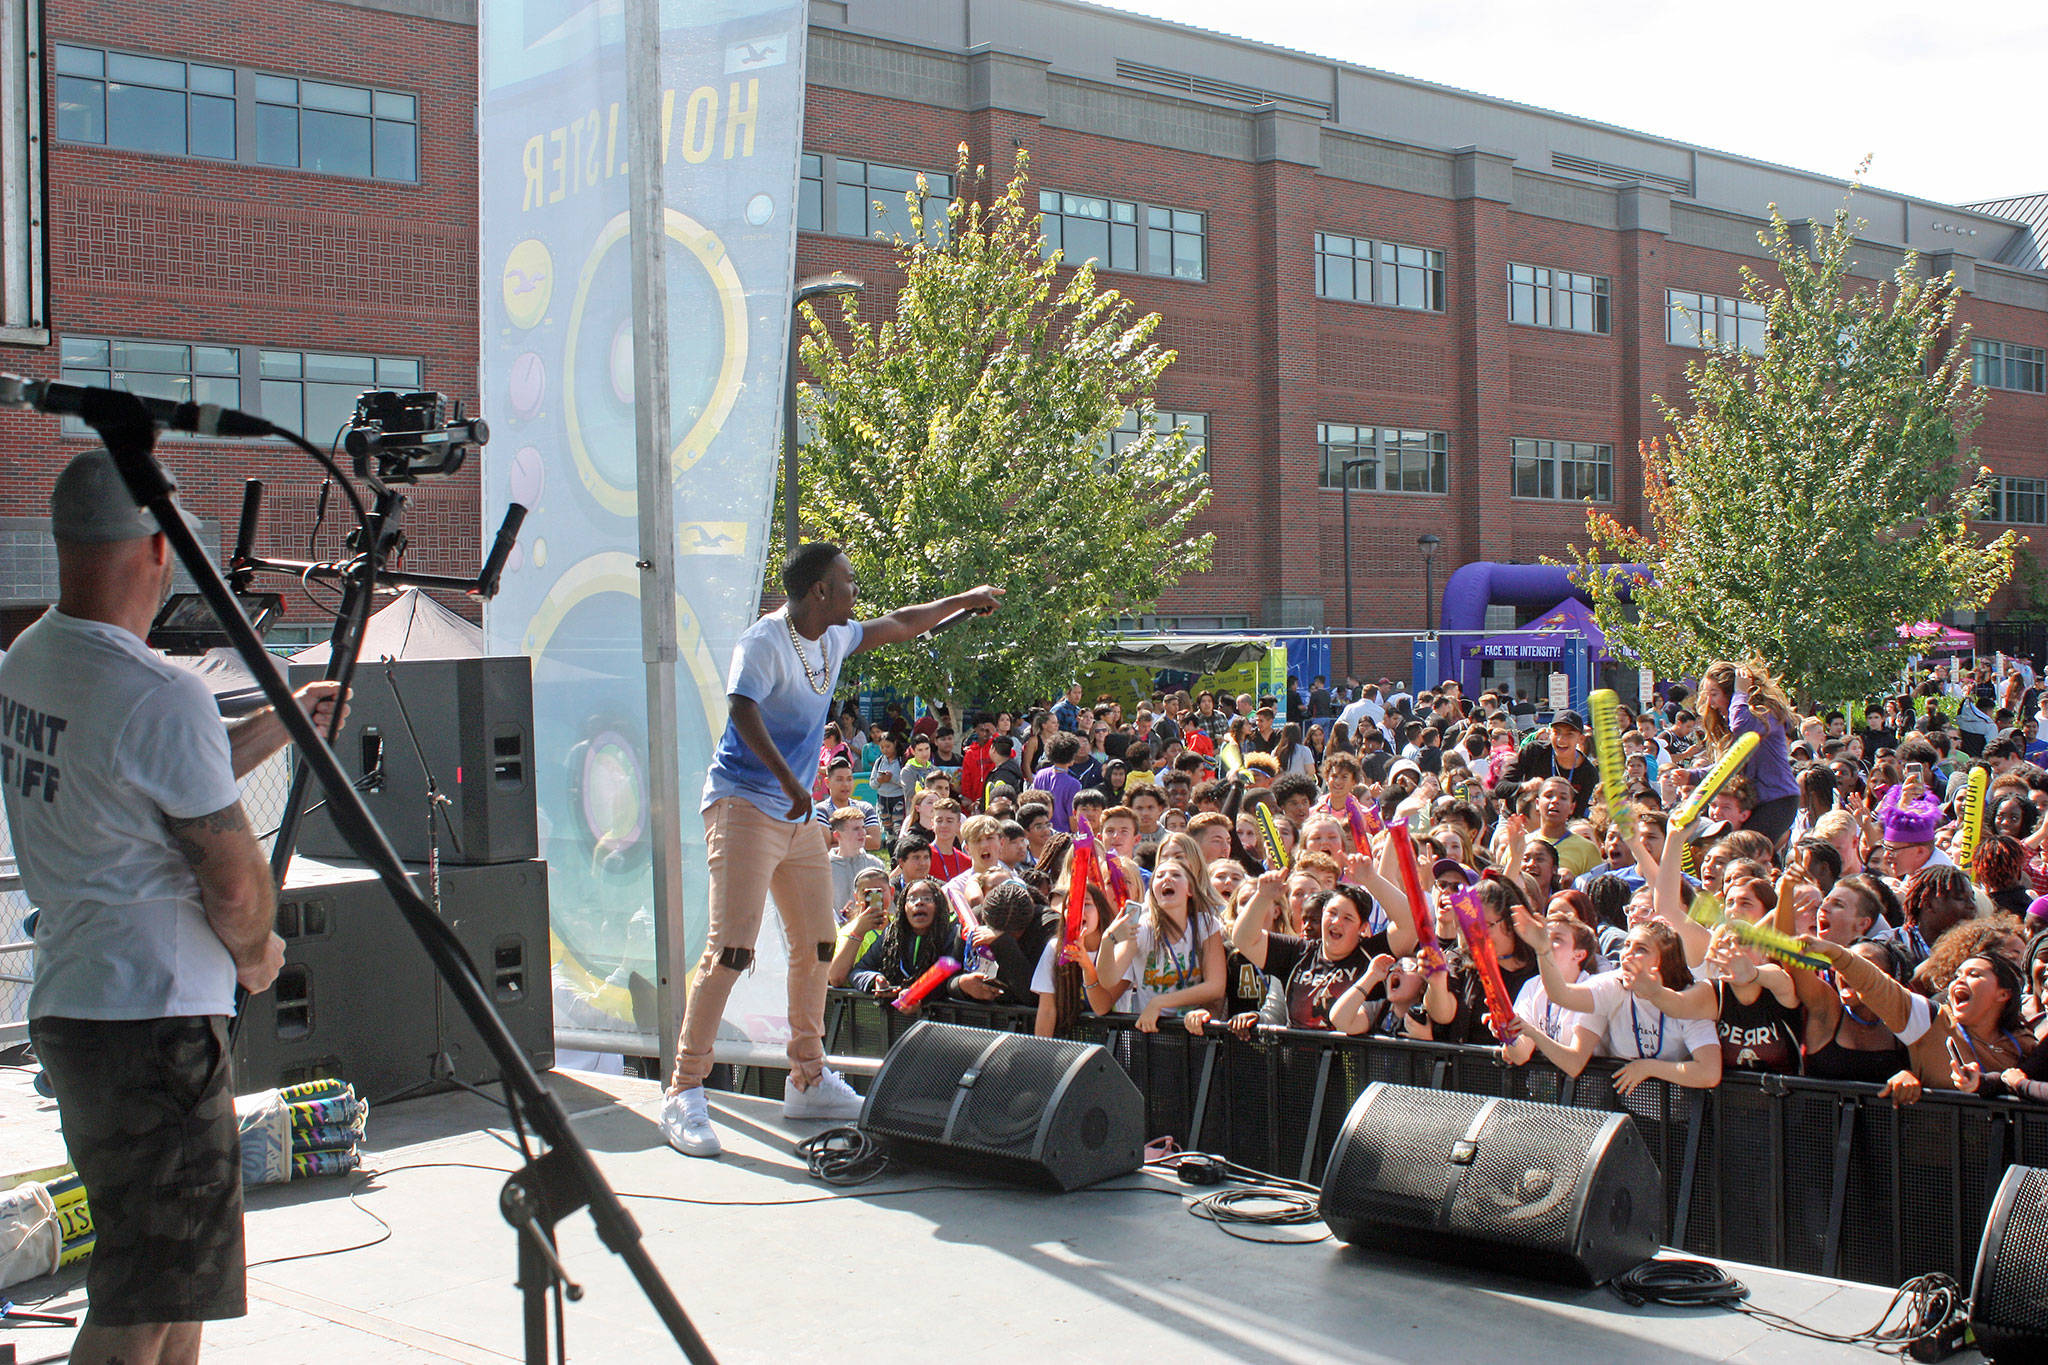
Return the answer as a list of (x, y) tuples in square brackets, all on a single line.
[(263, 797)]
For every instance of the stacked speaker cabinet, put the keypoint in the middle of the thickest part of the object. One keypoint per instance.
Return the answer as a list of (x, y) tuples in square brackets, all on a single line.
[(1536, 1189), (358, 997), (2009, 1291), (1010, 1106), (471, 729)]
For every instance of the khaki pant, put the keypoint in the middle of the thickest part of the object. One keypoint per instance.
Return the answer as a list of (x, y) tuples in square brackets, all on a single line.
[(751, 855)]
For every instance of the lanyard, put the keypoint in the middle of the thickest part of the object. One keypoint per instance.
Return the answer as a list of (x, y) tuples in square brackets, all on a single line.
[(1636, 1024), (1180, 970), (1971, 1043)]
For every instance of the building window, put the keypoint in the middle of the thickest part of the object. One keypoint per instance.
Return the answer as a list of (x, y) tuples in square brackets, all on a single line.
[(314, 392), (1567, 471), (1085, 228), (153, 369), (1396, 459), (1163, 422), (1702, 320), (868, 199), (145, 104), (850, 198), (1147, 625), (155, 104), (2017, 502), (336, 129), (1090, 228), (1174, 243), (1392, 273), (810, 194), (2005, 365), (1563, 299)]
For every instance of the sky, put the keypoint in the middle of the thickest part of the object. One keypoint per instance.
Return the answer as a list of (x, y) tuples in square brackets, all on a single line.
[(1944, 98)]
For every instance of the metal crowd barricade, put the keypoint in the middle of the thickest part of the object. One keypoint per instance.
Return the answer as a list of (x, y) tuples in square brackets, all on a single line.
[(1824, 1177)]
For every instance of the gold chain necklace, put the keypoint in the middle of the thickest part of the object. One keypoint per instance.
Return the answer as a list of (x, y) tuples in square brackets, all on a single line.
[(796, 643)]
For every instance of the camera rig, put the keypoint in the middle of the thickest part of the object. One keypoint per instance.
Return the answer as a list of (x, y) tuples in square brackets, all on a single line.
[(395, 439)]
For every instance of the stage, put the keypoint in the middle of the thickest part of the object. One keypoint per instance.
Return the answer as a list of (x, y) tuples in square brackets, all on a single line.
[(978, 1273)]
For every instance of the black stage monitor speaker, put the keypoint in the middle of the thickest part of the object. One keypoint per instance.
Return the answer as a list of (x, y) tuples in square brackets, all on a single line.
[(1035, 1111), (1536, 1189), (2009, 1291), (358, 998), (473, 719)]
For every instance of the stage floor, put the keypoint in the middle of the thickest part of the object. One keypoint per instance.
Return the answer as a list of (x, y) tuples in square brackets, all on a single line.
[(980, 1273)]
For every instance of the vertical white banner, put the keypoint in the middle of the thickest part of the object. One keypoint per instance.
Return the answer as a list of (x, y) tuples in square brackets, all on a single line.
[(558, 386)]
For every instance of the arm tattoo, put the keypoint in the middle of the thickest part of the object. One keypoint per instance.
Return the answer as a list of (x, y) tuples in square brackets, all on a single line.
[(191, 836)]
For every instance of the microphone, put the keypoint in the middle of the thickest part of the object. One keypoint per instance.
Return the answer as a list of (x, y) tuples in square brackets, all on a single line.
[(72, 400), (948, 622)]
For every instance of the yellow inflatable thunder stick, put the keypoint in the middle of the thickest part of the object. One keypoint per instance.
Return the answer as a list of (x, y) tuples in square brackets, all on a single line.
[(1606, 709)]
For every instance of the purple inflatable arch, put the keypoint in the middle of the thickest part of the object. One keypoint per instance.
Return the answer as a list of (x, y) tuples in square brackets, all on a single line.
[(1469, 591)]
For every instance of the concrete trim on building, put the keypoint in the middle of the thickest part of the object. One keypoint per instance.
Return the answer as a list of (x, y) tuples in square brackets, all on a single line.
[(441, 11), (2011, 285)]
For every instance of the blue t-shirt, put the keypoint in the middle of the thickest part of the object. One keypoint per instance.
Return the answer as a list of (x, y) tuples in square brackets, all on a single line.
[(767, 671)]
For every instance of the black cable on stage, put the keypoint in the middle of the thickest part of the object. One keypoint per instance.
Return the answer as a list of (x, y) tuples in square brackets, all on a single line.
[(1934, 1304), (1257, 1199), (842, 1156), (1263, 1206)]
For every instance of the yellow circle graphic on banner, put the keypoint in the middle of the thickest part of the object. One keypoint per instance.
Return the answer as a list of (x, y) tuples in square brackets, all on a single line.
[(732, 302), (616, 571), (528, 282)]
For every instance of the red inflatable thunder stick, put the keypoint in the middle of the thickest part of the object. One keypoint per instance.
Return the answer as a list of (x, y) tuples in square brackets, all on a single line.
[(1363, 822), (1500, 1010), (1081, 870), (933, 978), (1429, 954)]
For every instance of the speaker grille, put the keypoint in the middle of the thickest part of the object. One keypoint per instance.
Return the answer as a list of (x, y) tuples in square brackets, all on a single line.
[(1007, 1105), (1013, 1095), (2009, 1291), (1521, 1183), (912, 1096), (1403, 1174)]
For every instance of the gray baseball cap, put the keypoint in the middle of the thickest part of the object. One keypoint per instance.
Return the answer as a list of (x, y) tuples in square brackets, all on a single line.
[(91, 504)]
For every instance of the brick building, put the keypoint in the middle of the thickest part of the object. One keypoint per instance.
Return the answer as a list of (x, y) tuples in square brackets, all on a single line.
[(1473, 301), (270, 209)]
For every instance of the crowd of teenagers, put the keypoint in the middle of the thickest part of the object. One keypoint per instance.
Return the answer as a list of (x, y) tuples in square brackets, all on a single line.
[(1838, 833)]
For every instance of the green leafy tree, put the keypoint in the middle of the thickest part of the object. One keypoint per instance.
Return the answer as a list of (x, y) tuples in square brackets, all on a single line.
[(1813, 497), (962, 439)]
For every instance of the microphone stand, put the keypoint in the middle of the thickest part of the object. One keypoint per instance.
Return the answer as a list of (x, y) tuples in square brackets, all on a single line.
[(561, 1180)]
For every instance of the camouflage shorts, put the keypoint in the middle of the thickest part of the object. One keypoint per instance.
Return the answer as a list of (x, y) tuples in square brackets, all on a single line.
[(148, 1109)]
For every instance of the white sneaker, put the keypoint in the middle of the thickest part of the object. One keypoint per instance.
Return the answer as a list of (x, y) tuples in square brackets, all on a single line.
[(686, 1123), (830, 1098)]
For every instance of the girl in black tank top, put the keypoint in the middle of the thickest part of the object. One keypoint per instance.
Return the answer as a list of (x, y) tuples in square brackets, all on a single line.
[(1872, 1053), (1835, 1062)]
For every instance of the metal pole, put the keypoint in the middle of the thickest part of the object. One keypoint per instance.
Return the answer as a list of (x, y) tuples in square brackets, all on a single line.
[(789, 440), (647, 237), (1350, 669), (1350, 627)]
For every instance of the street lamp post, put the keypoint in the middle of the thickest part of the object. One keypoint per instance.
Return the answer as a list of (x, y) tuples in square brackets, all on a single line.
[(1349, 465), (1429, 542), (817, 287)]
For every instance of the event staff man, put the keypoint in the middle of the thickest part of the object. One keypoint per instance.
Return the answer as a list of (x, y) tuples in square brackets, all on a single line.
[(153, 900), (757, 829)]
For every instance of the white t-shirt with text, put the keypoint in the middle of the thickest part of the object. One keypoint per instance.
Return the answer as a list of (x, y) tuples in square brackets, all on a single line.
[(100, 741)]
